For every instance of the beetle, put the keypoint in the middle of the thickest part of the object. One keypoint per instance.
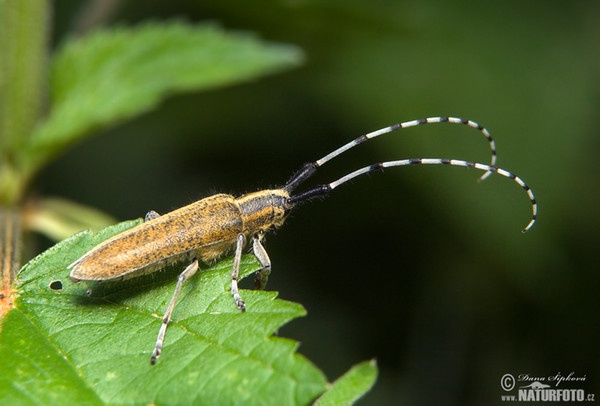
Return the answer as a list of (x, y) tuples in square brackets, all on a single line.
[(210, 228)]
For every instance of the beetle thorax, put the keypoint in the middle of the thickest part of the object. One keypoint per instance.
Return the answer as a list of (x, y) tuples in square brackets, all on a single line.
[(264, 209)]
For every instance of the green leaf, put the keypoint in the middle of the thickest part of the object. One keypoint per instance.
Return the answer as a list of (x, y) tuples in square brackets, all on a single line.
[(62, 345), (116, 74), (353, 385), (34, 372)]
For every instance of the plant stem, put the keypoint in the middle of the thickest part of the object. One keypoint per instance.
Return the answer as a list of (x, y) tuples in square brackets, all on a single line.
[(24, 33), (10, 248)]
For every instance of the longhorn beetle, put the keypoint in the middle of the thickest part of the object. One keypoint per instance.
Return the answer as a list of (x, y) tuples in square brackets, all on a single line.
[(211, 227)]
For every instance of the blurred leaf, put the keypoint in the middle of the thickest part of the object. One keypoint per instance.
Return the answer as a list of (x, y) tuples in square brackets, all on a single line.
[(63, 343), (351, 386), (60, 218), (117, 74)]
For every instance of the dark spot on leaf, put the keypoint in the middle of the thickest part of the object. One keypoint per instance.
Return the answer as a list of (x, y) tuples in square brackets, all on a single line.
[(56, 285)]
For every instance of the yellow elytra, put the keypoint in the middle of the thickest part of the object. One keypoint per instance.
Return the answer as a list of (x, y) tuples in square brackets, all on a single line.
[(206, 230)]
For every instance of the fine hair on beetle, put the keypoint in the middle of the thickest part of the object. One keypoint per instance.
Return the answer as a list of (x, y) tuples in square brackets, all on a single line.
[(206, 230)]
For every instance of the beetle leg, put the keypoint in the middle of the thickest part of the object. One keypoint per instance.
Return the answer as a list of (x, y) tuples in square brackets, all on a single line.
[(239, 246), (262, 276), (151, 215), (187, 273)]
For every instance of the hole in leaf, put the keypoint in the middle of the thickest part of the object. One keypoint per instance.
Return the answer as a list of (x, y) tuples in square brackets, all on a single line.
[(56, 285)]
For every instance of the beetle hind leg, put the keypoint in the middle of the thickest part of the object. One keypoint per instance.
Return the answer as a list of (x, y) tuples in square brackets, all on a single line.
[(239, 246), (187, 273), (151, 215)]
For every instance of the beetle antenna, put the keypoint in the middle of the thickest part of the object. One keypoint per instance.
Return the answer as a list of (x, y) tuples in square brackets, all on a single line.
[(321, 190), (310, 168)]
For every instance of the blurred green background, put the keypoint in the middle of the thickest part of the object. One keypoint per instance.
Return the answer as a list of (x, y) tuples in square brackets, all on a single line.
[(423, 268)]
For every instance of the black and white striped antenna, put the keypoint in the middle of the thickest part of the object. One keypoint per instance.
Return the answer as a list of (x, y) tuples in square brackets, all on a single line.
[(318, 191)]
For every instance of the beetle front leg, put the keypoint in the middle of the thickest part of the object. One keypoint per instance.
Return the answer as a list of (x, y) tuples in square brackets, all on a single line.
[(262, 276)]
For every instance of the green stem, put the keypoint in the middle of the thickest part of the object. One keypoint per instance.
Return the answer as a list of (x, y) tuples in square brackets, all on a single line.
[(24, 32)]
